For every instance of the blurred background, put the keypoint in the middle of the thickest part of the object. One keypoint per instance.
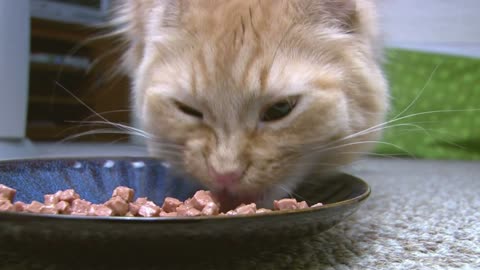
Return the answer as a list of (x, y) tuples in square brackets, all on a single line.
[(47, 66)]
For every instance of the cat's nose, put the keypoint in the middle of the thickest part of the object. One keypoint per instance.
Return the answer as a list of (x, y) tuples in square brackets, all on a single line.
[(226, 178)]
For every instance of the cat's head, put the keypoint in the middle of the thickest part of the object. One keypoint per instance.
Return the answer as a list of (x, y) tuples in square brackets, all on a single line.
[(249, 96)]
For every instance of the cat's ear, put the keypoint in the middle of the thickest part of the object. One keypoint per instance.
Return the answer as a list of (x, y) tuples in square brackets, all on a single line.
[(336, 13)]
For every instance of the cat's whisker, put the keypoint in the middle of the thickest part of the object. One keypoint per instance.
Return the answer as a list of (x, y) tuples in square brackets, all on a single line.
[(135, 132), (364, 153), (122, 126), (161, 150), (104, 131), (295, 158), (308, 144), (310, 162), (415, 128), (420, 93), (117, 125), (434, 111), (429, 132), (386, 124), (290, 193), (285, 189), (108, 112), (97, 131), (327, 147), (365, 132), (80, 101), (119, 140), (320, 150), (399, 117)]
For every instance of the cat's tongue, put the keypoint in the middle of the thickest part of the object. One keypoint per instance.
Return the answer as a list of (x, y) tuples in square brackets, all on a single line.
[(229, 201)]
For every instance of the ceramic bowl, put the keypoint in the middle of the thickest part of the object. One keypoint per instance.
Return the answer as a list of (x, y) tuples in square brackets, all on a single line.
[(63, 236)]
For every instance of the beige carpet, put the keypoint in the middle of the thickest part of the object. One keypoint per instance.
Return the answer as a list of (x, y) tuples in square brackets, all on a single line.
[(421, 215)]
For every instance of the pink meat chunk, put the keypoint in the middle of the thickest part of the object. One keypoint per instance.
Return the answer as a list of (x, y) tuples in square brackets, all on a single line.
[(168, 214), (170, 204), (317, 205), (149, 210), (187, 211), (63, 207), (263, 210), (133, 208), (141, 200), (210, 209), (68, 195), (6, 206), (125, 193), (285, 204), (118, 205), (231, 213), (302, 205), (189, 202), (7, 193), (19, 206), (80, 207), (100, 210), (50, 199), (34, 207), (49, 209), (201, 199), (152, 204), (246, 209), (121, 204)]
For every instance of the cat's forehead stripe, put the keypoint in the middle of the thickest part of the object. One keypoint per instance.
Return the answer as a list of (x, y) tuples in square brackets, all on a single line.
[(202, 69), (247, 69), (193, 80), (264, 73)]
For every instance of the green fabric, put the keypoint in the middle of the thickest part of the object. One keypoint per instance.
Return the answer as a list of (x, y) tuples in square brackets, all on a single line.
[(454, 84)]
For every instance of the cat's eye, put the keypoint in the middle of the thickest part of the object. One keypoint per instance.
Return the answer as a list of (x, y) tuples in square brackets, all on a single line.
[(279, 109), (188, 110)]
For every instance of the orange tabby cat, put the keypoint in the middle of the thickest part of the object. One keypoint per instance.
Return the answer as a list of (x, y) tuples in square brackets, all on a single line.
[(250, 96)]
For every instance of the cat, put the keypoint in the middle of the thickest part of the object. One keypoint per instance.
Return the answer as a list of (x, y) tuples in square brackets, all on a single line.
[(251, 96)]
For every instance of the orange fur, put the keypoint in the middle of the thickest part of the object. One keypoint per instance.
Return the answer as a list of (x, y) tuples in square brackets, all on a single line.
[(231, 59)]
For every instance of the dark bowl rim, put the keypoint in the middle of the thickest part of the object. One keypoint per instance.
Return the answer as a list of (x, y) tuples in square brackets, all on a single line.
[(358, 199)]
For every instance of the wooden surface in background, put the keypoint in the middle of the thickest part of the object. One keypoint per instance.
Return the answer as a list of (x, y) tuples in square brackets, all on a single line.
[(53, 110)]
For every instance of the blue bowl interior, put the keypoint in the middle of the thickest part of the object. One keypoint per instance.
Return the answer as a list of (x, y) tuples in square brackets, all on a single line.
[(95, 179)]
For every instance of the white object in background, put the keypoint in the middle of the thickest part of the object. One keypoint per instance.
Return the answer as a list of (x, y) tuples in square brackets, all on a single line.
[(14, 65)]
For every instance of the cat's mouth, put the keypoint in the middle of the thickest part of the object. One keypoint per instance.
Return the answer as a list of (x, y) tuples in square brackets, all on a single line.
[(229, 200)]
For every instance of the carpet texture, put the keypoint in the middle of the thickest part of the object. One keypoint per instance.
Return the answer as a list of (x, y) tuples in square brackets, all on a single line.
[(421, 215)]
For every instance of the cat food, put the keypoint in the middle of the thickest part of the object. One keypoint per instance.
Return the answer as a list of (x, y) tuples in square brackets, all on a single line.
[(68, 202), (7, 193), (170, 204), (289, 204)]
